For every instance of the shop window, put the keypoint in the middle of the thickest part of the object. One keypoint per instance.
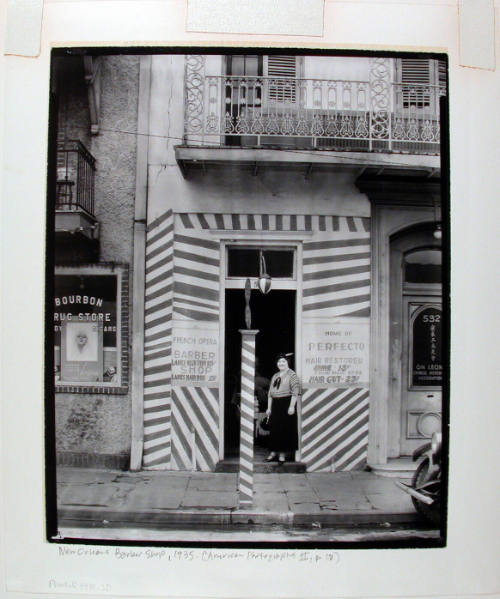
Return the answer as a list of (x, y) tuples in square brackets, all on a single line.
[(245, 262), (423, 266), (90, 328)]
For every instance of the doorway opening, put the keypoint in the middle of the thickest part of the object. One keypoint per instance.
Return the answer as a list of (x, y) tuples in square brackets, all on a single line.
[(416, 339), (273, 315)]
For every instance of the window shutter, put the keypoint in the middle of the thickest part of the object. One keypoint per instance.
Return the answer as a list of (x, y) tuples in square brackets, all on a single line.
[(282, 67), (415, 72), (442, 77)]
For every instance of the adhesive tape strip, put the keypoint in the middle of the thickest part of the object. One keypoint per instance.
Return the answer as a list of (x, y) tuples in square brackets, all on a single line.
[(24, 27), (265, 17), (477, 33)]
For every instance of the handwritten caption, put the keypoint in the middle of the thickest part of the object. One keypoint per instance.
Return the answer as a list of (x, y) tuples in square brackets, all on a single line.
[(205, 555)]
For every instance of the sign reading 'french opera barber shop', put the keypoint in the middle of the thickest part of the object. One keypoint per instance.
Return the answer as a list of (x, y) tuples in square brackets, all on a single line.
[(195, 355), (335, 353)]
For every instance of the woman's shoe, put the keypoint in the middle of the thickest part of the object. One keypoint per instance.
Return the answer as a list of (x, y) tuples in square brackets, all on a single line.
[(271, 457), (281, 459)]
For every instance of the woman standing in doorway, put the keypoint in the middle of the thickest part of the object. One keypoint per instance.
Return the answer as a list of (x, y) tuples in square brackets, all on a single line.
[(282, 410)]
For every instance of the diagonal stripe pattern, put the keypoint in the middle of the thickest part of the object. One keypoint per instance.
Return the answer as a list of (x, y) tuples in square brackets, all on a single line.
[(196, 277), (157, 342), (195, 428), (334, 428), (182, 281), (336, 275), (245, 482)]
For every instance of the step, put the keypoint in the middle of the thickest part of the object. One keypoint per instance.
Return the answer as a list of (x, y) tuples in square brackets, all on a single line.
[(395, 468)]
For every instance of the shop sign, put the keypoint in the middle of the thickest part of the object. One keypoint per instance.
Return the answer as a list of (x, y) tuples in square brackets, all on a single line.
[(85, 310), (427, 365), (335, 353), (195, 355)]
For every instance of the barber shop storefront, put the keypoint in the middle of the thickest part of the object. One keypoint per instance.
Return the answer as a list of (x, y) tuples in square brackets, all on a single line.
[(279, 207)]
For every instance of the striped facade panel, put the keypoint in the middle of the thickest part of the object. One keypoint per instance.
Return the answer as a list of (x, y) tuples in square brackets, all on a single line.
[(195, 415), (157, 342), (274, 222), (336, 274), (196, 273), (335, 429), (195, 428)]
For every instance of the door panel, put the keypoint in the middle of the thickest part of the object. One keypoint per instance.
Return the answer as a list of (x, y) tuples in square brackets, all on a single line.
[(421, 375)]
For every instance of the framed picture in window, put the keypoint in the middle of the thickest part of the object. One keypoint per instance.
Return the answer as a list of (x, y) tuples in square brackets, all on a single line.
[(91, 328)]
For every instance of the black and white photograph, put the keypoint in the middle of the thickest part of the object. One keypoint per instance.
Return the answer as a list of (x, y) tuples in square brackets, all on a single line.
[(247, 333), (249, 299)]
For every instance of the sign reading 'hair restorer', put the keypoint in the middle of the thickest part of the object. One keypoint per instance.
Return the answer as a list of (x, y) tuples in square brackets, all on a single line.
[(335, 353)]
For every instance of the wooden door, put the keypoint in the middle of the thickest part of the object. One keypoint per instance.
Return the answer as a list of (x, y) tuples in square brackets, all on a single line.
[(422, 370)]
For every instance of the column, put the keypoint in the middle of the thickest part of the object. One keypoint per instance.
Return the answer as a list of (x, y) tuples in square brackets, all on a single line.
[(245, 480)]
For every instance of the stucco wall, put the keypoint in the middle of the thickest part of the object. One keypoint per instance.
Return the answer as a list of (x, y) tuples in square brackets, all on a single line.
[(230, 189), (100, 424)]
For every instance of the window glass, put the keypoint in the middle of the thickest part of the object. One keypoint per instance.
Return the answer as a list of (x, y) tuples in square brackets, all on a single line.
[(244, 262), (427, 364), (423, 266), (86, 329)]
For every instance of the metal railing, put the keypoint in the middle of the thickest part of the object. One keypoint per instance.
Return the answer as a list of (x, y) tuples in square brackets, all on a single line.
[(319, 113), (75, 177)]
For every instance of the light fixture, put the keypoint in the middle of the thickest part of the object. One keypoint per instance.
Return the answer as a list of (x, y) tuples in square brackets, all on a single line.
[(437, 233), (264, 278)]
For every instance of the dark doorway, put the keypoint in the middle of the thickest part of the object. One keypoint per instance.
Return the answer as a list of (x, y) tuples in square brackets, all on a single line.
[(273, 315)]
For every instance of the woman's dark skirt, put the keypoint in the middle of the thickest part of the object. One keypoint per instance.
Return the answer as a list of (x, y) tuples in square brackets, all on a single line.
[(283, 435)]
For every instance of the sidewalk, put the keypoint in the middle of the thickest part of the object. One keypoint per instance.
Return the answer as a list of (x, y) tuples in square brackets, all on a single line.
[(114, 498)]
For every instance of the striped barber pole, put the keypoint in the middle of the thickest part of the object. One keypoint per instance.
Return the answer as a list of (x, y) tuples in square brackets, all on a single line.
[(158, 342), (334, 428), (245, 483)]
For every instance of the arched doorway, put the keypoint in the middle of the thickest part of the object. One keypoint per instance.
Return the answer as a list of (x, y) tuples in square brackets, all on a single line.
[(415, 391)]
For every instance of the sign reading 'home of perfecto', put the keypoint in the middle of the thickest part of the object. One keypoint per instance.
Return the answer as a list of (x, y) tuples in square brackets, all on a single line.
[(335, 353), (195, 356)]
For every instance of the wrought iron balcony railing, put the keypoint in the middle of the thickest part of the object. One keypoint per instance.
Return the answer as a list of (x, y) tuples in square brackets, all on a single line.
[(317, 113), (75, 177)]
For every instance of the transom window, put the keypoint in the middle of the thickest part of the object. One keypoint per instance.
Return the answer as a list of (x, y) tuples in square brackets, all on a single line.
[(423, 266), (244, 261)]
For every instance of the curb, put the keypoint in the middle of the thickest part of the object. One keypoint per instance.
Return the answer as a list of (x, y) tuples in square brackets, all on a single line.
[(233, 517)]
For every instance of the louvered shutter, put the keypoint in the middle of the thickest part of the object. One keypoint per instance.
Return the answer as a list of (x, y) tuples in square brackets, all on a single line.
[(285, 68), (415, 73), (442, 77)]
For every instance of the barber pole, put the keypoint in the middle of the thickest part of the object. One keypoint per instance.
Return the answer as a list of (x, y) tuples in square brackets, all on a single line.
[(245, 482)]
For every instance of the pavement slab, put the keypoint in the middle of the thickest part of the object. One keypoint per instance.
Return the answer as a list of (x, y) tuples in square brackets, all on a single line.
[(83, 476), (194, 498), (389, 503), (305, 506), (220, 499), (86, 495), (294, 481), (275, 502), (157, 496), (219, 482), (349, 502)]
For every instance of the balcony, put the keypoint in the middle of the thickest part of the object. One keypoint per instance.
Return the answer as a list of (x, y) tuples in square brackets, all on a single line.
[(313, 114), (76, 228)]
